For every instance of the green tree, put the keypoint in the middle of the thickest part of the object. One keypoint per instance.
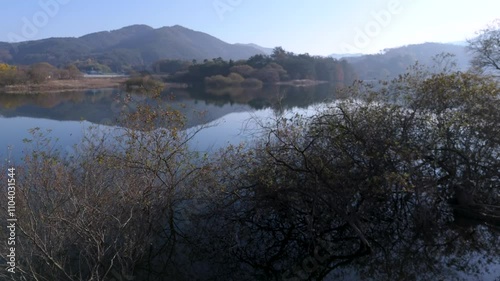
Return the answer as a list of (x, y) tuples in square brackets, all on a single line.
[(279, 54), (259, 61), (243, 69)]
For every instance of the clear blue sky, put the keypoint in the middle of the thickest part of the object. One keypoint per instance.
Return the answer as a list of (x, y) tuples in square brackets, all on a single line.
[(318, 27)]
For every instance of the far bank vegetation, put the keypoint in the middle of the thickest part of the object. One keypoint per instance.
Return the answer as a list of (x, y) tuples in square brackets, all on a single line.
[(279, 67)]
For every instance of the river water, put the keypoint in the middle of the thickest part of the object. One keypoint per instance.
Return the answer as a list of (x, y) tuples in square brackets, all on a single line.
[(67, 116)]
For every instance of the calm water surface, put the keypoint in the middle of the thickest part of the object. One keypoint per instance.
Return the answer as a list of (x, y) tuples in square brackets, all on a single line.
[(230, 118)]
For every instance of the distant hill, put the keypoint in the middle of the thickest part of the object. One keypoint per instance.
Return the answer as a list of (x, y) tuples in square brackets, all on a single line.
[(460, 43), (392, 62), (267, 51), (137, 45), (340, 56)]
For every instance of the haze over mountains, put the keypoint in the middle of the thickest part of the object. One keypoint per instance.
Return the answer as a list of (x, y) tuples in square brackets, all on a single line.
[(394, 61), (142, 45)]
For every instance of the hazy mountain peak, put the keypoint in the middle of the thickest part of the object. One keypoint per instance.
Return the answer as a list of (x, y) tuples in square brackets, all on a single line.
[(131, 45), (127, 29), (394, 61), (180, 27)]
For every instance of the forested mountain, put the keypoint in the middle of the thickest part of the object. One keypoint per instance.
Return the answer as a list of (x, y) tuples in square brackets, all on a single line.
[(137, 45), (395, 61)]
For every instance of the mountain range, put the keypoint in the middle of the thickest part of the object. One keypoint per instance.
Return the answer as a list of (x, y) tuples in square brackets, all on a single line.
[(139, 46), (129, 46), (392, 62)]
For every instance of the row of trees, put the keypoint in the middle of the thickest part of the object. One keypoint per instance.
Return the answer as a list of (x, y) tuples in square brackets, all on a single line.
[(36, 73), (280, 66)]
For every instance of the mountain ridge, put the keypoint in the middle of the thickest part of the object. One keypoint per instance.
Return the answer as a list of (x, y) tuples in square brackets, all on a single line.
[(394, 61), (135, 45)]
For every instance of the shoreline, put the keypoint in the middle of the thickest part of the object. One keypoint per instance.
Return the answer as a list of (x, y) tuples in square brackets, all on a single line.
[(301, 82), (56, 86), (90, 83)]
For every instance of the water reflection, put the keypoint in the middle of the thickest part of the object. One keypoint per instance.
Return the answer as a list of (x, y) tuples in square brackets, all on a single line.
[(104, 106), (227, 112)]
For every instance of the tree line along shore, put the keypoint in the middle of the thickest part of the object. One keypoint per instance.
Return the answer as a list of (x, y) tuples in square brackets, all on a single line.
[(281, 67)]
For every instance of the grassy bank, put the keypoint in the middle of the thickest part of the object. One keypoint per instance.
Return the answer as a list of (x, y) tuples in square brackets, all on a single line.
[(52, 86)]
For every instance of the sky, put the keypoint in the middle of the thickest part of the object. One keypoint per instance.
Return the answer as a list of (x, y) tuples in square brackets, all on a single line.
[(317, 27)]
